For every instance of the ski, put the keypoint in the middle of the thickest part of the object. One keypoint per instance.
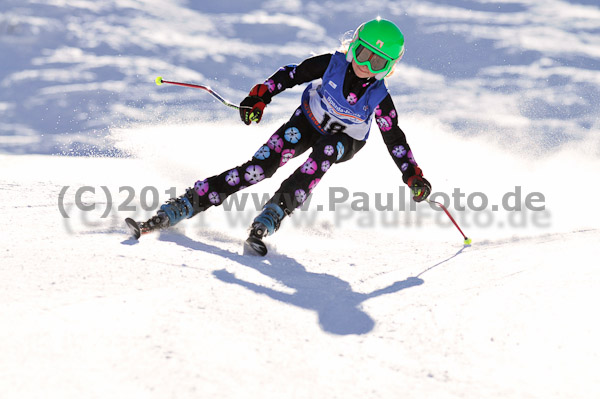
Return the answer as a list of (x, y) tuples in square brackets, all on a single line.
[(157, 222), (255, 246), (252, 246), (134, 227), (140, 228)]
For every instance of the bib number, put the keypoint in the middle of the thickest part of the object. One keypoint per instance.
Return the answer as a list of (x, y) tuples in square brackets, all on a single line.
[(332, 127)]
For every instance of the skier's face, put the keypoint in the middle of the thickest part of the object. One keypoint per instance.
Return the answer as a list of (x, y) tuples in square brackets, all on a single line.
[(362, 71)]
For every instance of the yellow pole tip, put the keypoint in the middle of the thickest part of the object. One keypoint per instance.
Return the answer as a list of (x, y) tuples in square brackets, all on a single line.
[(468, 241), (159, 80)]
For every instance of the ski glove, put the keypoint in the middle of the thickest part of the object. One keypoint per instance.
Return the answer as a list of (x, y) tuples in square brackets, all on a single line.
[(251, 108), (420, 187)]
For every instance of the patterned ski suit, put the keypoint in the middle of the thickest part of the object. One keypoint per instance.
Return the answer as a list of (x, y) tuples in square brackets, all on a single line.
[(334, 120)]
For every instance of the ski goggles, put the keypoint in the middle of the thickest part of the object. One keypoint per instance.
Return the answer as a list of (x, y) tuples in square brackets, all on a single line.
[(375, 61)]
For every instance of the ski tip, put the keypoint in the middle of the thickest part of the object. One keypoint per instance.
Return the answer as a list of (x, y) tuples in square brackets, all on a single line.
[(134, 228), (255, 246)]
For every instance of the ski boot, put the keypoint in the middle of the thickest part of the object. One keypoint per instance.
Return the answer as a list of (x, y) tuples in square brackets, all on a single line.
[(265, 224), (169, 214)]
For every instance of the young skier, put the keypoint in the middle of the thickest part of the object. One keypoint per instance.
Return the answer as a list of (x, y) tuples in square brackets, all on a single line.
[(346, 91)]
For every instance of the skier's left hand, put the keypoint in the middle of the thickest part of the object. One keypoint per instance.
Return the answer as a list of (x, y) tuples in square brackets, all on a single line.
[(420, 187)]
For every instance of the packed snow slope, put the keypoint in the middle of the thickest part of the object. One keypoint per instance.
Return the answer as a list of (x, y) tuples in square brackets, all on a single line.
[(347, 303), (364, 294)]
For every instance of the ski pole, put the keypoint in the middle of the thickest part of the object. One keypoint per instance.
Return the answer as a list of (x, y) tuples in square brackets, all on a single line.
[(159, 80), (467, 239)]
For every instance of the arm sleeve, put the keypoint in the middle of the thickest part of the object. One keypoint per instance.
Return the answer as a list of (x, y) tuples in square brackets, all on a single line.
[(395, 139), (291, 75)]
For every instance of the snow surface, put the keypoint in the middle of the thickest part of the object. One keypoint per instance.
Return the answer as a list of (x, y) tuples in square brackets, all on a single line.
[(496, 96)]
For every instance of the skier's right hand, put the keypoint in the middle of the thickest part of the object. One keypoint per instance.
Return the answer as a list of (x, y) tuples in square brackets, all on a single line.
[(252, 107)]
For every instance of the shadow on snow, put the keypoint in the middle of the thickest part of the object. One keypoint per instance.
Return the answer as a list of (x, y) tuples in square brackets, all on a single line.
[(337, 305)]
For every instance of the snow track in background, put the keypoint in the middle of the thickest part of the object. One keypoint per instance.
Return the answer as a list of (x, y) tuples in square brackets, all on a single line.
[(520, 73)]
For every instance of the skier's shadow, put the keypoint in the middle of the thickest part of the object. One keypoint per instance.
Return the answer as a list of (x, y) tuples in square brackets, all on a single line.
[(337, 305)]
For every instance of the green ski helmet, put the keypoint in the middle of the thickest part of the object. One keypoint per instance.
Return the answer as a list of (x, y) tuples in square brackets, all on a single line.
[(378, 44)]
